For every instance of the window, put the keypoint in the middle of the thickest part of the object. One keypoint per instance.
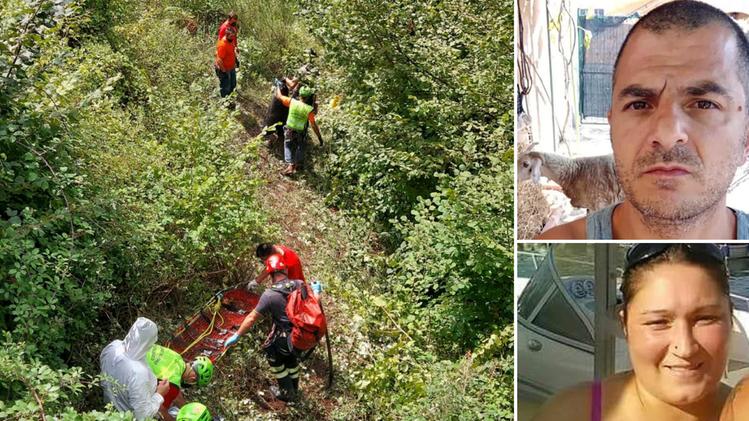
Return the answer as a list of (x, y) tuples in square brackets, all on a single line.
[(557, 316), (527, 263), (537, 287)]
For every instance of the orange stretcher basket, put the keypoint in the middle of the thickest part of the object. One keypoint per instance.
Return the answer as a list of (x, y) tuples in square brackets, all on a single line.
[(204, 332)]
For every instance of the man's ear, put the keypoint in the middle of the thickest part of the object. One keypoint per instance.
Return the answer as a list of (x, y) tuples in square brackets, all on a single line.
[(608, 116)]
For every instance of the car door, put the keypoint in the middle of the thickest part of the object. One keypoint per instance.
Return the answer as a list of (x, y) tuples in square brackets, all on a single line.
[(554, 339)]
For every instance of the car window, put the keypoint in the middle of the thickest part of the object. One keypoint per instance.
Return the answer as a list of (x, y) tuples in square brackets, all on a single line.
[(537, 287), (557, 316), (581, 291), (574, 260), (740, 302), (529, 261)]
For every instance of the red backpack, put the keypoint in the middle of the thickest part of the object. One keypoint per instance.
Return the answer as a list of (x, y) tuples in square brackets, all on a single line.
[(308, 324)]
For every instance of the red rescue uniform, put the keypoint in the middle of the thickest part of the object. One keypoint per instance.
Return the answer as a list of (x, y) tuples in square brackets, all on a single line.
[(293, 264)]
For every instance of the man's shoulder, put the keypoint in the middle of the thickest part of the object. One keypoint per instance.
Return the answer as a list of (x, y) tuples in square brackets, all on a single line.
[(288, 251), (575, 230), (272, 295), (285, 287)]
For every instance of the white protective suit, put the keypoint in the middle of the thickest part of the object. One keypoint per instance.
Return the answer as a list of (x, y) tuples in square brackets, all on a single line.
[(125, 362)]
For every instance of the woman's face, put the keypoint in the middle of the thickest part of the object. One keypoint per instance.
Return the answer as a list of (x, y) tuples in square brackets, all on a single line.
[(677, 326)]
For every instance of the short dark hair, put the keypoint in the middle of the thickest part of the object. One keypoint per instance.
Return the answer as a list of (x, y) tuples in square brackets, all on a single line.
[(264, 250), (689, 15), (677, 253)]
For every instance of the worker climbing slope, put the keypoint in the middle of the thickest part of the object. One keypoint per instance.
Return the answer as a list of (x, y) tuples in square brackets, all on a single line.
[(285, 302), (277, 112), (288, 256), (300, 112), (168, 364)]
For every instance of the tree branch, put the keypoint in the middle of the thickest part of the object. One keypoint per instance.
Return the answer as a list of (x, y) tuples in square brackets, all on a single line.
[(20, 39)]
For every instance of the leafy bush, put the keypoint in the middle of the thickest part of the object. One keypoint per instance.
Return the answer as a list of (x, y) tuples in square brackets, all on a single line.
[(115, 176), (425, 85), (35, 389), (457, 258), (272, 41), (407, 382), (120, 175), (421, 149)]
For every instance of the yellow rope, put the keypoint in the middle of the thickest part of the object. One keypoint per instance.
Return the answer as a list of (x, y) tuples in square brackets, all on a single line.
[(209, 329)]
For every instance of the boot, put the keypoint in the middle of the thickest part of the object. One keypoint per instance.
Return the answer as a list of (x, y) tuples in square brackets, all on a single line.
[(285, 390), (295, 383), (294, 376), (289, 170)]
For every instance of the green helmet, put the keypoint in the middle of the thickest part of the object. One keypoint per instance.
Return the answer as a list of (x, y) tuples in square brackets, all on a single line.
[(306, 92), (194, 411), (204, 369)]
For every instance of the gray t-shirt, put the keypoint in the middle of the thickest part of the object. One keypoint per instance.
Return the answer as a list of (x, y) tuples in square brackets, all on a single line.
[(599, 227), (273, 303)]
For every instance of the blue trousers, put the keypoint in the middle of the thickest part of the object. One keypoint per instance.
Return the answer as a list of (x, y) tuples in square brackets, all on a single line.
[(227, 81), (293, 146)]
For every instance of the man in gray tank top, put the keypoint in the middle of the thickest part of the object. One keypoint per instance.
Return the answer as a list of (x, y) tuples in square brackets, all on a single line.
[(679, 122)]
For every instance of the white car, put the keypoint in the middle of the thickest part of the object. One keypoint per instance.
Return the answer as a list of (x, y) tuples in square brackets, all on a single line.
[(555, 344)]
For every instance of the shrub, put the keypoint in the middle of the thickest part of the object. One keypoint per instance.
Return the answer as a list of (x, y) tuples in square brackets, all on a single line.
[(425, 84), (32, 389), (115, 177)]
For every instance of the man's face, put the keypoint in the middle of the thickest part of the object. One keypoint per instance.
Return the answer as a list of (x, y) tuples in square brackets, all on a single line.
[(292, 83), (678, 120), (190, 377)]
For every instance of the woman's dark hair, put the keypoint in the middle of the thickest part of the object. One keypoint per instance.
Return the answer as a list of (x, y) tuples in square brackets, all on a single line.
[(677, 253), (264, 250)]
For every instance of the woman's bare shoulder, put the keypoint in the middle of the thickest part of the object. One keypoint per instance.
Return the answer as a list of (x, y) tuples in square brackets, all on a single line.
[(736, 407), (567, 404), (575, 402)]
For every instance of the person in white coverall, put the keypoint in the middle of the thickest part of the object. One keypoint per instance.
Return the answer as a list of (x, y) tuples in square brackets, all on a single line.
[(129, 383)]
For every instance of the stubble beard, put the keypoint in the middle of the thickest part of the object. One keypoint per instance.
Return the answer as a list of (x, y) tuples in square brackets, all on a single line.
[(663, 214)]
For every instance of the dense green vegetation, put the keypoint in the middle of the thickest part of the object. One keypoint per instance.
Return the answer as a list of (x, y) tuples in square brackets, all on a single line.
[(123, 178)]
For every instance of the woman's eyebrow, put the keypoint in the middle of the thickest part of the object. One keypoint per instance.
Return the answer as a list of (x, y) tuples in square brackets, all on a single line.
[(663, 312), (708, 307), (655, 312)]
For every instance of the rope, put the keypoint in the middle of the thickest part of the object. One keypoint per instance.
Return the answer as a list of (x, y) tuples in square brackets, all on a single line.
[(216, 308), (524, 70), (216, 311)]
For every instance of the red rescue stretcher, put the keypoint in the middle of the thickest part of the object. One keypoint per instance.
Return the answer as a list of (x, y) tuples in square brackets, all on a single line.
[(204, 333)]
